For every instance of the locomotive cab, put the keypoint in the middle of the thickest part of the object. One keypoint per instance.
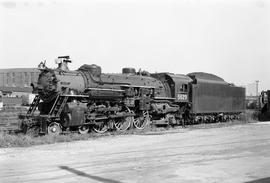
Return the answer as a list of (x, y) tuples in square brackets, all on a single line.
[(176, 85)]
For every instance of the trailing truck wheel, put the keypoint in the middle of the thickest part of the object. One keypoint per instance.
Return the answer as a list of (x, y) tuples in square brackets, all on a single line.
[(83, 129), (122, 124), (54, 129), (100, 127), (140, 122)]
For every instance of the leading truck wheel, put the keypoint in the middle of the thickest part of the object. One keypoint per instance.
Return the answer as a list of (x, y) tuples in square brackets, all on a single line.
[(54, 129), (32, 130)]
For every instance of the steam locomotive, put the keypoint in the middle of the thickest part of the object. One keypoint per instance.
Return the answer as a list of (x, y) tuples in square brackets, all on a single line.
[(87, 99), (264, 106)]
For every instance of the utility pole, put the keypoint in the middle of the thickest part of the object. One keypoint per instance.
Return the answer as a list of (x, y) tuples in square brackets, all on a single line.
[(257, 87)]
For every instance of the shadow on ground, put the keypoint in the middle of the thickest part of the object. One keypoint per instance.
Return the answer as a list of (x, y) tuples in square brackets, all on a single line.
[(80, 173), (263, 180)]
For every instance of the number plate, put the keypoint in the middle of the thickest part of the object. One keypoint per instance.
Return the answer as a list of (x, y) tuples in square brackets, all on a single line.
[(181, 96)]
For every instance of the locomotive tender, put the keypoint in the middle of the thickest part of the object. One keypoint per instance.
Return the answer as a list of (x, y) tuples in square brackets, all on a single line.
[(89, 99)]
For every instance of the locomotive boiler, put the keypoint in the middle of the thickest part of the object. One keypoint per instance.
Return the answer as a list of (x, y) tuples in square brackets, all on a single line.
[(87, 99)]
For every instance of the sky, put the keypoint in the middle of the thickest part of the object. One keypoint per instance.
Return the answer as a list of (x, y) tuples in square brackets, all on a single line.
[(229, 38)]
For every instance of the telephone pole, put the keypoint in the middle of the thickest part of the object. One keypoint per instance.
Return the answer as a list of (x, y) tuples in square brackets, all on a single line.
[(257, 87)]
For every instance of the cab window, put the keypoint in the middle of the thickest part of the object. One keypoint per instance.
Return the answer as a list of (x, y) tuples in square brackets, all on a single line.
[(184, 88)]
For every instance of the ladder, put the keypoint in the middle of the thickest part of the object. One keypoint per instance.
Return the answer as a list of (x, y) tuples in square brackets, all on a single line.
[(58, 105), (33, 105)]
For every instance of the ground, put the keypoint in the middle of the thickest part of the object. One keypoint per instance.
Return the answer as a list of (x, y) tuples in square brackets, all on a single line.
[(237, 153)]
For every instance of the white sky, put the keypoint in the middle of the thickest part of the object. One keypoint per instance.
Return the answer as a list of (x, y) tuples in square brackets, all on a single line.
[(230, 38)]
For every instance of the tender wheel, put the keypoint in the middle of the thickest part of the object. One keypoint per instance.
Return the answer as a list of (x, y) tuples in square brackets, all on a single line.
[(140, 122), (100, 127), (54, 129), (122, 124), (83, 129)]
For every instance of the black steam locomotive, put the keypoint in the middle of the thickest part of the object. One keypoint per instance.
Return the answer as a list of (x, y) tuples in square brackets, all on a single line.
[(264, 106), (88, 99)]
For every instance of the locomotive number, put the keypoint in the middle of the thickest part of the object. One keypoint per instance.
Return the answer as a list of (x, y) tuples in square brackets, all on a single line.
[(182, 96)]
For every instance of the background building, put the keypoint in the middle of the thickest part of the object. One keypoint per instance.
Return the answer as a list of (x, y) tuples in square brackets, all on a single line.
[(18, 79)]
